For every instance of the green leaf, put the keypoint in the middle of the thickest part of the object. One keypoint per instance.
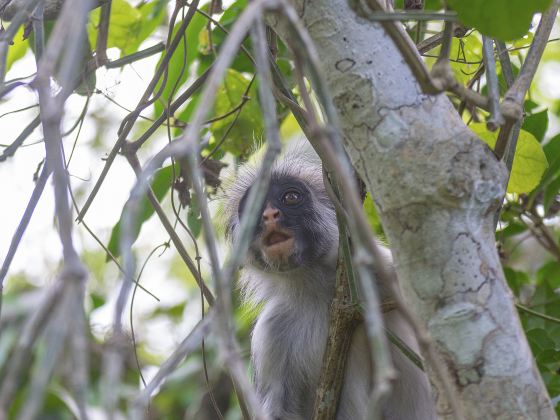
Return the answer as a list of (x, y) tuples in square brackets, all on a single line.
[(552, 148), (550, 274), (373, 217), (152, 16), (502, 19), (18, 49), (551, 179), (529, 163), (161, 182), (466, 55), (128, 26), (536, 123), (513, 228), (551, 191), (242, 126), (539, 340), (516, 279)]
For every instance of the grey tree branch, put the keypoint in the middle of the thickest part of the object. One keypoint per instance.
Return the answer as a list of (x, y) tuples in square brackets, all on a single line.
[(187, 346), (52, 8), (24, 222), (372, 10), (103, 33), (515, 96), (496, 119)]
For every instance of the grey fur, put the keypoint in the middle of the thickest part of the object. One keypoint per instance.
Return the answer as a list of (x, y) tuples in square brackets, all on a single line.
[(290, 334)]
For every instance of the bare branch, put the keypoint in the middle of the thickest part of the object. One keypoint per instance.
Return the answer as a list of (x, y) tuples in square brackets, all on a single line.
[(24, 222), (187, 346), (496, 119), (103, 33), (371, 9), (515, 96)]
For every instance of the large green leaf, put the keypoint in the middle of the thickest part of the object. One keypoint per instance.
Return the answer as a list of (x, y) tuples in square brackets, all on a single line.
[(501, 19), (536, 120), (529, 163), (240, 127), (160, 185), (550, 182), (128, 25)]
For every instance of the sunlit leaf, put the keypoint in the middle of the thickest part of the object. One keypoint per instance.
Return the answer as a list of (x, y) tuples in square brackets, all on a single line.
[(289, 127), (536, 123), (529, 163), (124, 26), (466, 56), (18, 49), (501, 19), (152, 16), (241, 127)]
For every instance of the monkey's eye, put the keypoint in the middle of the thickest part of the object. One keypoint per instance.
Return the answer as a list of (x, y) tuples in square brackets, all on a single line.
[(291, 198)]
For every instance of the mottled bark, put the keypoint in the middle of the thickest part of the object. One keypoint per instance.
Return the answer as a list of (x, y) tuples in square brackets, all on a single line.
[(437, 188)]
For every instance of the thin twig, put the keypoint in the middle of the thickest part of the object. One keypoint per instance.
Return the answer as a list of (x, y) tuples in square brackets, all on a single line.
[(187, 346), (418, 15), (515, 96), (12, 148), (196, 85), (496, 119), (103, 33), (24, 222), (372, 9), (537, 314), (139, 55), (183, 253), (39, 31)]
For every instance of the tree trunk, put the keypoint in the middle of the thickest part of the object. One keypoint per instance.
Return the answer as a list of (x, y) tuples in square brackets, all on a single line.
[(437, 188)]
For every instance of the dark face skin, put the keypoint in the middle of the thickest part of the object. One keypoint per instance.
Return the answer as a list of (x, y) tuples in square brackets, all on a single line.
[(283, 238)]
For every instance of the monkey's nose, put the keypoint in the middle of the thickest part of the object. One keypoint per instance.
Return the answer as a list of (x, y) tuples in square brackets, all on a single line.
[(270, 214)]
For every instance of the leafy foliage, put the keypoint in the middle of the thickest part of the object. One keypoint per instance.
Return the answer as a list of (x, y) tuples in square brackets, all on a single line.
[(501, 19), (529, 163)]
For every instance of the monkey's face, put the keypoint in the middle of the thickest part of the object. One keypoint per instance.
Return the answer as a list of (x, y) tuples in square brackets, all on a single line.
[(287, 228)]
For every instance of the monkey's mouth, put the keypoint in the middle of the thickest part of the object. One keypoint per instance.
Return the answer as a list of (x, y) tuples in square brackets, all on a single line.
[(278, 244)]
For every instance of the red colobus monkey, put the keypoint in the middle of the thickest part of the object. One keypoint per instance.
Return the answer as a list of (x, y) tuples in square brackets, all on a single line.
[(290, 270)]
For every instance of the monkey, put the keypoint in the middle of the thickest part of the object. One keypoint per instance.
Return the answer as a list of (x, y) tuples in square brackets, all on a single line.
[(290, 271)]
